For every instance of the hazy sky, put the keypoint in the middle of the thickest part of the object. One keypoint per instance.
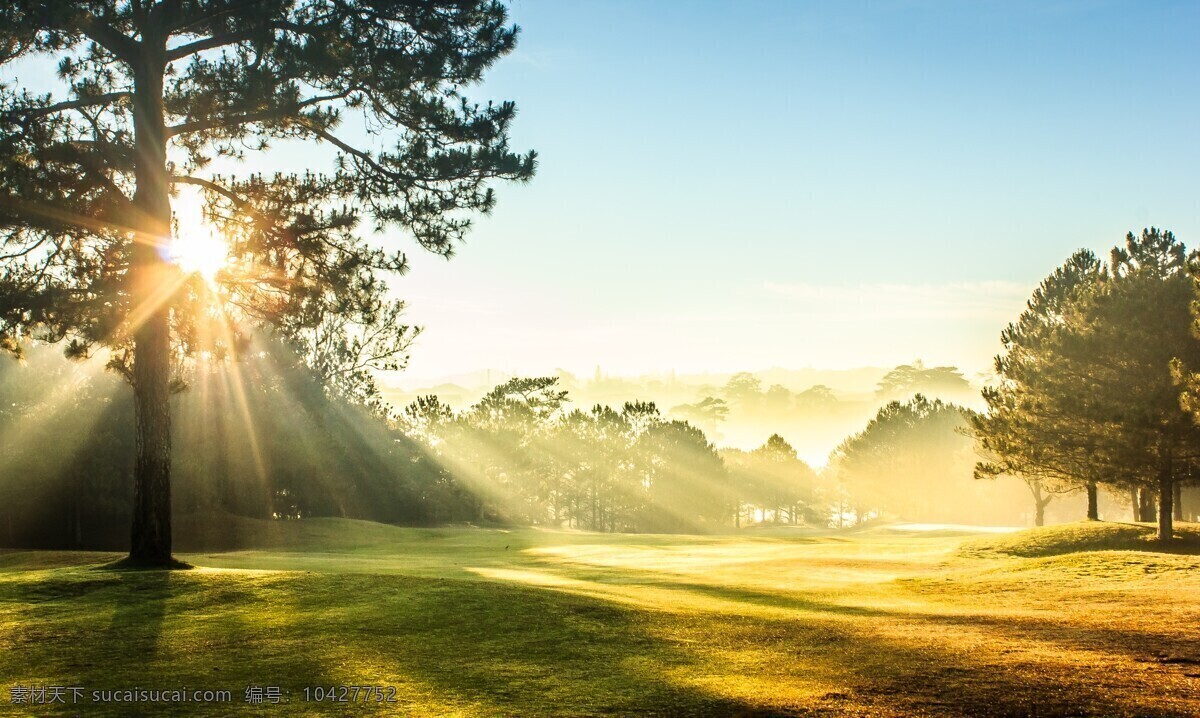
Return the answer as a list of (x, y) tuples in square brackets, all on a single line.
[(739, 185), (733, 186)]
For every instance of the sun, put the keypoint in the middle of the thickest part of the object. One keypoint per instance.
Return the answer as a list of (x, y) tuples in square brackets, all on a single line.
[(200, 252)]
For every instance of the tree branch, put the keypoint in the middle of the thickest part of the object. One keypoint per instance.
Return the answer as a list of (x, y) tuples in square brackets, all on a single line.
[(278, 113), (34, 211), (35, 112), (122, 47), (229, 194), (212, 123), (27, 251), (209, 43), (232, 38)]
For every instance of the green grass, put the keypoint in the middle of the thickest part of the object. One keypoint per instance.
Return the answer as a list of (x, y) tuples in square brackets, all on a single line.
[(525, 622), (1083, 536)]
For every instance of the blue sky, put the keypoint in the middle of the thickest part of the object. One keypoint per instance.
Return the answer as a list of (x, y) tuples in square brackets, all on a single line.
[(740, 185), (735, 186)]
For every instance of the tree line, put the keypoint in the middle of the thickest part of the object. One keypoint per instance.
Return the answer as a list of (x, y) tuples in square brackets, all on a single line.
[(269, 439), (529, 458)]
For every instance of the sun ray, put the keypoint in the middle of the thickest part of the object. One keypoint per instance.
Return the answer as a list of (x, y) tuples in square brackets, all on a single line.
[(160, 295), (33, 418), (237, 382)]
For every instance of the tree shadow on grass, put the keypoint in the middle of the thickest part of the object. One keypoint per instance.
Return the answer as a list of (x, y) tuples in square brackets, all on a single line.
[(76, 625), (1140, 644), (155, 630), (481, 648), (927, 663), (1057, 630), (500, 648), (137, 618), (930, 667), (488, 648)]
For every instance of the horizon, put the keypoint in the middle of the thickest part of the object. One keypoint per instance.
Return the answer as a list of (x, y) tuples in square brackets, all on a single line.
[(814, 431), (405, 382)]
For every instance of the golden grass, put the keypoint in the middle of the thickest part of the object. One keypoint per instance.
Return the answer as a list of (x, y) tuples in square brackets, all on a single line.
[(527, 622)]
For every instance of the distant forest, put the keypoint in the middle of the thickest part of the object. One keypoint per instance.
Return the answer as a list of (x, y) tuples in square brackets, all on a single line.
[(814, 408), (266, 440), (1092, 413)]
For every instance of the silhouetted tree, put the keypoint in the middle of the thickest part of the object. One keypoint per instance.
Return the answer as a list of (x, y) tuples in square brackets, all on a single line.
[(706, 414), (777, 399), (1106, 400), (912, 460), (906, 380), (816, 397), (685, 483), (297, 450), (530, 460), (743, 390), (786, 484), (1030, 429), (152, 92), (1135, 326)]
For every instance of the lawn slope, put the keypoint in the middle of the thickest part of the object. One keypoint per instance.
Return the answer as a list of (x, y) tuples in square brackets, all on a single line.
[(1083, 536)]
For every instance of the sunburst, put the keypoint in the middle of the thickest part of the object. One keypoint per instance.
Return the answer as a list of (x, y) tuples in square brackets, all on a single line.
[(199, 251)]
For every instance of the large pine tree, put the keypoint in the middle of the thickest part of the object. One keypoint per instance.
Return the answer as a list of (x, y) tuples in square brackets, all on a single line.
[(1030, 429), (151, 93), (1088, 393)]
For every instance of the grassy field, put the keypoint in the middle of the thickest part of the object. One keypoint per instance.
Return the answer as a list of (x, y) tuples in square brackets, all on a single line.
[(1081, 620)]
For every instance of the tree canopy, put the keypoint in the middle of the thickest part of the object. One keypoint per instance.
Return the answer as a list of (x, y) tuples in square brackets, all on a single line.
[(914, 461), (529, 458), (906, 380)]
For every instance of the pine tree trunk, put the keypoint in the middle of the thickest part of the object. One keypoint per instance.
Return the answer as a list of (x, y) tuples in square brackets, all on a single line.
[(150, 277), (1166, 495), (1093, 498), (1177, 501), (1145, 504), (1039, 502)]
